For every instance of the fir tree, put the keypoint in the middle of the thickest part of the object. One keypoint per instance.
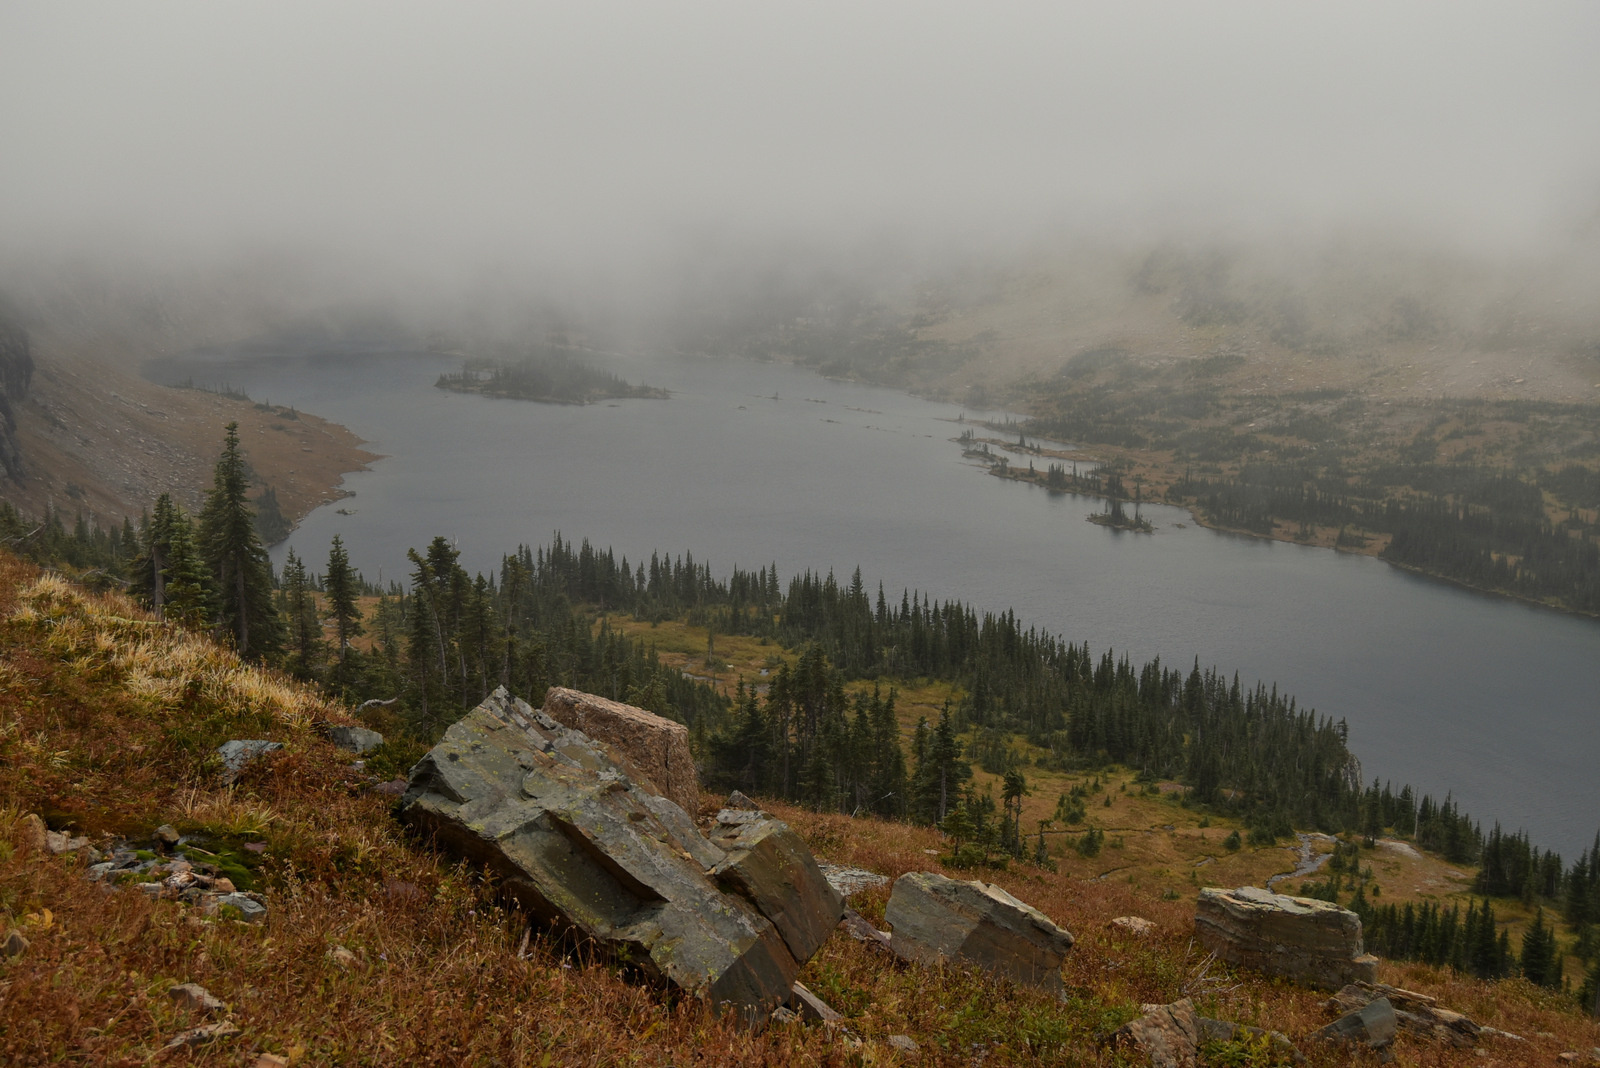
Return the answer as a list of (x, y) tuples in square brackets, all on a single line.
[(300, 610), (340, 586), (238, 562)]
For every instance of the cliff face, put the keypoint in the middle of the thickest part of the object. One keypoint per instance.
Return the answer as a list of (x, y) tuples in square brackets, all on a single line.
[(16, 374)]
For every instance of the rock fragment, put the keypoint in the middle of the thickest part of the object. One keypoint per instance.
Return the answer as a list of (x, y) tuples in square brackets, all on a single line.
[(1374, 1025), (1169, 1035), (1314, 943), (1417, 1014), (857, 927), (195, 1036), (167, 835), (1134, 925), (250, 907), (851, 880), (196, 998), (355, 739), (64, 842), (35, 835), (905, 1044), (813, 1009), (937, 918), (238, 752), (653, 750)]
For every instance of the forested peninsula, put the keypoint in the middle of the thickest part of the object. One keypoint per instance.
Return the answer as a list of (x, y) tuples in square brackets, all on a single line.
[(547, 374)]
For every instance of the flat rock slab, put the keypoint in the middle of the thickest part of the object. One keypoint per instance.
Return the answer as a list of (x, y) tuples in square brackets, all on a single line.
[(1311, 942), (651, 749), (591, 853), (935, 918)]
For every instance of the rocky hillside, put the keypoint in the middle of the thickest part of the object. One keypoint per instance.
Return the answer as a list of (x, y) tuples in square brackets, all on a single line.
[(368, 947)]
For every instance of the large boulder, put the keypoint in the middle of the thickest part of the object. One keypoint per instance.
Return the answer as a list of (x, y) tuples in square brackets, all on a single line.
[(1315, 943), (653, 751), (936, 918), (591, 853)]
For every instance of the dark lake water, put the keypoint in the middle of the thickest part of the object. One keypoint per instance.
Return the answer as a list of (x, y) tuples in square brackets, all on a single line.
[(1449, 690)]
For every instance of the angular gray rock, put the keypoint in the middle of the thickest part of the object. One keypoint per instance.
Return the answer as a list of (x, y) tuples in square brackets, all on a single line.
[(355, 739), (768, 865), (238, 752), (650, 749), (588, 851), (196, 998), (1311, 942), (1373, 1025), (977, 923)]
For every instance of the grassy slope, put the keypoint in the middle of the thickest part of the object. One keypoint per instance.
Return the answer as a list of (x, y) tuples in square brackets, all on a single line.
[(106, 721)]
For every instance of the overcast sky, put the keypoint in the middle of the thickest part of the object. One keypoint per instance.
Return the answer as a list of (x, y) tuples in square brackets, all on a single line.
[(478, 129)]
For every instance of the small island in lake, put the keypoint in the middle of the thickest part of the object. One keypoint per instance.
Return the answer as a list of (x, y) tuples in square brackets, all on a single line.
[(549, 374)]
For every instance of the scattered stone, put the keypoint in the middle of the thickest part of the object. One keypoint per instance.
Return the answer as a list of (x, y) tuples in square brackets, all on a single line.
[(343, 957), (392, 788), (1169, 1035), (270, 1060), (769, 866), (250, 906), (99, 871), (851, 880), (196, 998), (938, 918), (355, 739), (738, 817), (813, 1009), (35, 835), (1134, 925), (238, 752), (13, 945), (904, 1043), (857, 927), (1373, 1025), (64, 842), (737, 800), (651, 750), (1490, 1032), (256, 847), (1315, 943), (167, 835), (587, 850), (222, 885), (204, 1033), (785, 1015), (1418, 1014)]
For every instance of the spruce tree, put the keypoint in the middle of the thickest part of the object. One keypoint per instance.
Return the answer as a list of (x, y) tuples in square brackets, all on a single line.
[(340, 586), (300, 609), (189, 600), (236, 557)]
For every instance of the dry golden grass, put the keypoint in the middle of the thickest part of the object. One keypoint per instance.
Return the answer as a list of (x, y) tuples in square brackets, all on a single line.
[(440, 974)]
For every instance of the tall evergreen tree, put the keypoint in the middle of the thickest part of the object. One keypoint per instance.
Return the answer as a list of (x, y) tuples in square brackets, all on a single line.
[(300, 610), (238, 562), (340, 586)]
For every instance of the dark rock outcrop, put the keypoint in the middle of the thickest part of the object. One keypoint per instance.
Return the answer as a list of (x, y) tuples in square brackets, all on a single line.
[(591, 853), (1374, 1025), (936, 918), (1312, 942), (1417, 1014)]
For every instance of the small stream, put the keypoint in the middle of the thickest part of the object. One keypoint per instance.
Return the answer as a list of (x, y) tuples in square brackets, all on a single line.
[(1309, 862)]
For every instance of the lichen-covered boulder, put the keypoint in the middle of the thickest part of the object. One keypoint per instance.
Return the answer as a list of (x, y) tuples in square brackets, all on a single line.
[(593, 854), (1311, 942), (652, 750), (936, 918)]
